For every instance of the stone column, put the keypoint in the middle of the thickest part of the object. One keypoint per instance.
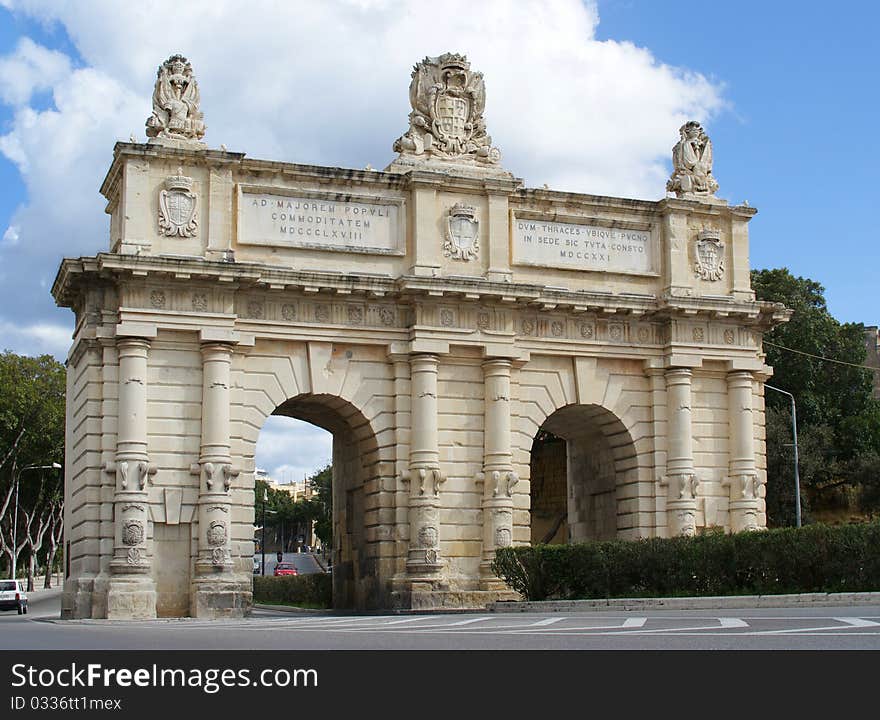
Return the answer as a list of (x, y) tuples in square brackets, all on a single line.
[(213, 592), (425, 478), (681, 478), (132, 591), (498, 476), (743, 477)]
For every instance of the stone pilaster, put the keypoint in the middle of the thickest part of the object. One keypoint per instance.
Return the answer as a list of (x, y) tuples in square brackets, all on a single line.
[(498, 476), (742, 479), (132, 591), (425, 478), (681, 478), (214, 586)]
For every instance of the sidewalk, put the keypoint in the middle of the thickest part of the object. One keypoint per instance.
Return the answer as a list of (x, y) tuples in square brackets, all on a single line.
[(731, 602)]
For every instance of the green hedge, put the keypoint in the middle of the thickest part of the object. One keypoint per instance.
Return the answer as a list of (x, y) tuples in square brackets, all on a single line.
[(314, 590), (816, 558)]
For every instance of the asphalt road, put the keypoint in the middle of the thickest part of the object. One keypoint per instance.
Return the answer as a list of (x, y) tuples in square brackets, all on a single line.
[(813, 628)]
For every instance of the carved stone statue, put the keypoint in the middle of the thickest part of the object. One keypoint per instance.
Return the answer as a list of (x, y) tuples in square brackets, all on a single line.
[(692, 163), (446, 121), (176, 113)]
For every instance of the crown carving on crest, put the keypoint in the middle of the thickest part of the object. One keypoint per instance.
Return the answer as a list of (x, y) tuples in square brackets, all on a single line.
[(463, 210), (179, 182), (709, 234), (451, 61)]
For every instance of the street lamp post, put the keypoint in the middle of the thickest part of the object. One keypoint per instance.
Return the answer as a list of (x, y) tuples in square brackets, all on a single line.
[(53, 466), (797, 479)]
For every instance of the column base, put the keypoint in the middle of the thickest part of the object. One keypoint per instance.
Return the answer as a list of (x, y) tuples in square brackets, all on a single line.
[(131, 598), (681, 517), (76, 598), (214, 598), (743, 515)]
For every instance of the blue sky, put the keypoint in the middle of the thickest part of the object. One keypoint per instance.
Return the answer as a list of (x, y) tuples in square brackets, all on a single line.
[(582, 96)]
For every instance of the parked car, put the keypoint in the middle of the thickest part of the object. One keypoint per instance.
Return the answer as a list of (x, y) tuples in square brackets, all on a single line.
[(12, 595), (285, 568)]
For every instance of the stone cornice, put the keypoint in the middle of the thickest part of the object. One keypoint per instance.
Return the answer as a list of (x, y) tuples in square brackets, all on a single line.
[(77, 273)]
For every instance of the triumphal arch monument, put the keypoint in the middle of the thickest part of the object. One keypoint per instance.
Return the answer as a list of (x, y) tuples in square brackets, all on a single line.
[(497, 364)]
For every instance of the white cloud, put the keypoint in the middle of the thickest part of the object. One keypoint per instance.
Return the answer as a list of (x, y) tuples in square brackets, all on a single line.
[(29, 69), (11, 236), (292, 449), (37, 339)]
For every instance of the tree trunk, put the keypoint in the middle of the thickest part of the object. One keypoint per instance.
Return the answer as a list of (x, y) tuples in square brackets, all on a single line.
[(56, 531), (32, 567)]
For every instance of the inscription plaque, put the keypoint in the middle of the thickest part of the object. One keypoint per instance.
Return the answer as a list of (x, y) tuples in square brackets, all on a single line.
[(582, 246), (324, 222)]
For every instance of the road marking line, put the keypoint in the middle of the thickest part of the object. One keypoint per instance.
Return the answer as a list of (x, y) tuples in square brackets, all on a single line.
[(547, 621), (628, 623), (857, 622), (733, 623), (852, 624), (468, 622), (398, 622)]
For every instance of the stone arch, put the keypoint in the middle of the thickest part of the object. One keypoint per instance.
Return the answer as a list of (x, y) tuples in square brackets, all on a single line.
[(583, 459), (612, 394), (345, 393)]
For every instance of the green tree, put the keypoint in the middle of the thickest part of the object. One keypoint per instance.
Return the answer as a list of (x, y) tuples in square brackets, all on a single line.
[(323, 504), (838, 419), (32, 396)]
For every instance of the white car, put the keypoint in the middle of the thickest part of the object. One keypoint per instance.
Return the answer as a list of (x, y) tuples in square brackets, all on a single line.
[(12, 595)]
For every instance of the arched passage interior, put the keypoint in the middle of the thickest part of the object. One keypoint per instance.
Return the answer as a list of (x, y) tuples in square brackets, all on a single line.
[(355, 469), (581, 456)]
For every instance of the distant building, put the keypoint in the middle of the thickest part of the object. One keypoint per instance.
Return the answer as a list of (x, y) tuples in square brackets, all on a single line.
[(297, 489), (872, 358)]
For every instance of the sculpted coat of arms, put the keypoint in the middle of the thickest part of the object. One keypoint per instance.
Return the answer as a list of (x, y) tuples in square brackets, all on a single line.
[(462, 233), (692, 163), (178, 206), (709, 256), (176, 113), (446, 121)]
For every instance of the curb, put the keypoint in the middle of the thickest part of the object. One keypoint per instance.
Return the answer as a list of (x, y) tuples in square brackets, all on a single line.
[(294, 610), (690, 603)]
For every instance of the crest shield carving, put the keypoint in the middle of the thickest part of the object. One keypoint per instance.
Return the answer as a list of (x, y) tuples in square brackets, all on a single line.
[(462, 233), (178, 206), (446, 121), (709, 256)]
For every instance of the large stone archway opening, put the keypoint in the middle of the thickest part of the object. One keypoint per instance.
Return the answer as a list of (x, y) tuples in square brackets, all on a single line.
[(355, 466), (581, 457)]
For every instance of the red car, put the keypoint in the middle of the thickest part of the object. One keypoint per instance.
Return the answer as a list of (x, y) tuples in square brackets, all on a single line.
[(285, 568)]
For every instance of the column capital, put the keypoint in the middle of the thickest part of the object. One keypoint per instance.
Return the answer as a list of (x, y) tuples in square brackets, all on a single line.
[(131, 345), (740, 375), (497, 366), (216, 350), (679, 375)]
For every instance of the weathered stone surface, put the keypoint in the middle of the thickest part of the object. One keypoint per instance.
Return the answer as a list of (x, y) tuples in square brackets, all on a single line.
[(480, 393)]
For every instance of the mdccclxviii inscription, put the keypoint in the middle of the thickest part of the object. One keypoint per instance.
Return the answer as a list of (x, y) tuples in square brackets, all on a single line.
[(575, 246), (347, 225)]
